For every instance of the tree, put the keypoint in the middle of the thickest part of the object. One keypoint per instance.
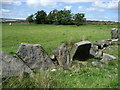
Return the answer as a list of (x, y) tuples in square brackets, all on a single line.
[(79, 19), (40, 17), (30, 18), (52, 16)]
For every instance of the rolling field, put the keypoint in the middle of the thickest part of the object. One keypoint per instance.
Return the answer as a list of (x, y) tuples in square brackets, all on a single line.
[(51, 37)]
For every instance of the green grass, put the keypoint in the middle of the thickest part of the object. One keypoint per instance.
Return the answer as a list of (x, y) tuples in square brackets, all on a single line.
[(51, 37)]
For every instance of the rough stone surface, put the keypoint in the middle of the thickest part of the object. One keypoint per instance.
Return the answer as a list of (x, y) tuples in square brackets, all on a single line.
[(103, 43), (81, 51), (62, 55), (114, 33), (12, 66), (95, 63), (106, 58), (35, 56), (96, 53), (115, 41)]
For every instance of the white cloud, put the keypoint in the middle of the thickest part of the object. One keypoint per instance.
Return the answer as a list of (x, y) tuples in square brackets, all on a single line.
[(4, 11), (42, 3), (52, 3), (11, 2), (84, 9), (75, 1), (68, 7), (106, 4)]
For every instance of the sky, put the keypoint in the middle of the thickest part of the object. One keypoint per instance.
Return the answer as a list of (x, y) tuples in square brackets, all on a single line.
[(102, 10)]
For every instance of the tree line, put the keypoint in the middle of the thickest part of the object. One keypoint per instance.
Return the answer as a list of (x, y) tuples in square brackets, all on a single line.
[(59, 17)]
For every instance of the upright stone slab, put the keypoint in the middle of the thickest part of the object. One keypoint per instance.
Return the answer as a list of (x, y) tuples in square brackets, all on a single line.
[(62, 55), (12, 66), (81, 51), (35, 56), (114, 33)]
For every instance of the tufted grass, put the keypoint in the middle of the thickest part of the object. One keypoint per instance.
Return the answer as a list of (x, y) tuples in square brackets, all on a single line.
[(52, 36)]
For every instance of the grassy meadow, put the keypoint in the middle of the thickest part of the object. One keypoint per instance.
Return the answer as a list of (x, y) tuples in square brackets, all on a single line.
[(51, 37)]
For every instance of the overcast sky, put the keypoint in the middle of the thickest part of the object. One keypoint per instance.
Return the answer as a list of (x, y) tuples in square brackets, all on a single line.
[(93, 9)]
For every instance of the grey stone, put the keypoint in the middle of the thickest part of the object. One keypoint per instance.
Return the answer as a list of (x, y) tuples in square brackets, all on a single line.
[(81, 51), (95, 63), (62, 55), (12, 66), (114, 33), (103, 43), (98, 54), (115, 41), (35, 56), (106, 58), (103, 67)]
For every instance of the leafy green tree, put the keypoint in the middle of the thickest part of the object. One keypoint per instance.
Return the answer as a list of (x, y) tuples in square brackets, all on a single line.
[(52, 16), (79, 19), (30, 18), (40, 17)]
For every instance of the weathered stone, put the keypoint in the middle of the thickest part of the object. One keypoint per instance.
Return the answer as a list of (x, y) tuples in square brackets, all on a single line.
[(12, 66), (62, 55), (35, 56), (96, 53), (103, 67), (115, 41), (103, 43), (81, 51), (114, 33), (95, 63), (106, 58)]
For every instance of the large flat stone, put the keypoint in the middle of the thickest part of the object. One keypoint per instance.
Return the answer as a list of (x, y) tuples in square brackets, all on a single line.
[(81, 51), (35, 56), (12, 66), (107, 57)]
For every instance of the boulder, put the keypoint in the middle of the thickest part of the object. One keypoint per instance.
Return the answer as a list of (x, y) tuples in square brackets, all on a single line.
[(114, 33), (62, 55), (81, 51), (96, 53), (95, 63), (103, 43), (34, 56), (106, 58), (12, 66), (115, 41)]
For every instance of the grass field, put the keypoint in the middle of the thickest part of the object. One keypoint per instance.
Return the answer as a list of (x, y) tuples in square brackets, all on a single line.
[(51, 37)]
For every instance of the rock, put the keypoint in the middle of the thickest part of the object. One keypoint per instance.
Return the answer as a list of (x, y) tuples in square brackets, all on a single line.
[(95, 63), (103, 67), (115, 41), (12, 66), (81, 51), (62, 55), (114, 33), (35, 56), (103, 43), (106, 58), (54, 70)]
